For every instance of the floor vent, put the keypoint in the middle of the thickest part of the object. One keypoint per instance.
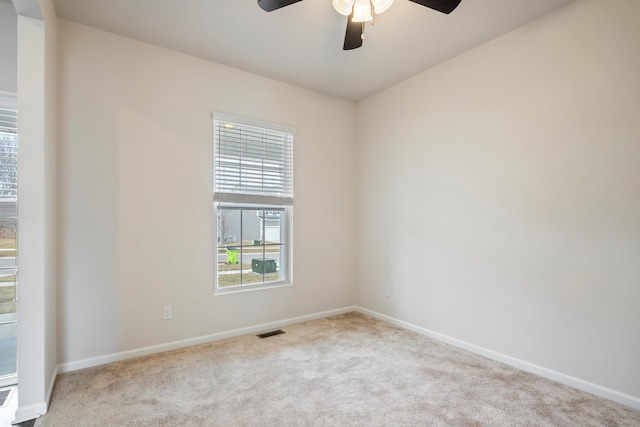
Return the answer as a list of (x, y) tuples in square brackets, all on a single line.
[(270, 334), (4, 396)]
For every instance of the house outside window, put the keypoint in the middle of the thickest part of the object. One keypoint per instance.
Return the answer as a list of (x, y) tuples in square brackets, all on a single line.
[(253, 202), (8, 234)]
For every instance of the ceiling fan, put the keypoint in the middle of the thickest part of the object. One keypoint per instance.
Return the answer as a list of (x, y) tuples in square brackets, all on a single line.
[(360, 12)]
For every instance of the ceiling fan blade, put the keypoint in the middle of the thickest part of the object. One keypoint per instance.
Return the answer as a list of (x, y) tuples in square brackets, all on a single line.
[(444, 6), (353, 36), (271, 5)]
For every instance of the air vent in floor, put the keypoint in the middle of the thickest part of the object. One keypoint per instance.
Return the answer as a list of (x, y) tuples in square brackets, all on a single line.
[(270, 334)]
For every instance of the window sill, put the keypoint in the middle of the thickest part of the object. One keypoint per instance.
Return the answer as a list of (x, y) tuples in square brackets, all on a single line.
[(250, 288)]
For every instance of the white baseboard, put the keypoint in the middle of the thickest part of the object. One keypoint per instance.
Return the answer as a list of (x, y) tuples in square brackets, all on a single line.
[(574, 382), (116, 357), (8, 380), (35, 410), (30, 412)]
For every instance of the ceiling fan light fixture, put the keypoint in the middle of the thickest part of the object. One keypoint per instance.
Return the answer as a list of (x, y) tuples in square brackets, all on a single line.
[(344, 7), (362, 11)]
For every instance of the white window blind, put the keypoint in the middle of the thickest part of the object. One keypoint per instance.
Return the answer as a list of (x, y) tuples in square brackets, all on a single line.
[(8, 120), (8, 149), (253, 164)]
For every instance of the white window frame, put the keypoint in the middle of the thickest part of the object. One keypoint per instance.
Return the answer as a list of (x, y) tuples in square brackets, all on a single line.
[(9, 205), (224, 200)]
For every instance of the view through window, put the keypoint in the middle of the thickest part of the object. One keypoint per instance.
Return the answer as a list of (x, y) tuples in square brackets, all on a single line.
[(8, 234), (253, 196)]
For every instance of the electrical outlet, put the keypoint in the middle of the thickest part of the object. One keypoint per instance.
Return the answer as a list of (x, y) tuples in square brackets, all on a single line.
[(387, 291), (167, 313)]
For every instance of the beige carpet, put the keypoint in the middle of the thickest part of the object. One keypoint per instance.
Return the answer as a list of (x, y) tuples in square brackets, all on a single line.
[(348, 370)]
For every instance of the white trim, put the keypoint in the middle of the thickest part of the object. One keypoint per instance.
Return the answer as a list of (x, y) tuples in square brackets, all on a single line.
[(30, 412), (248, 288), (574, 382), (252, 122), (251, 199), (8, 380), (116, 357)]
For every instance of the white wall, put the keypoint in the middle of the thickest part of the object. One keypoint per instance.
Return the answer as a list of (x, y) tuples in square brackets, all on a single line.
[(8, 47), (135, 195), (50, 193), (499, 195), (37, 207)]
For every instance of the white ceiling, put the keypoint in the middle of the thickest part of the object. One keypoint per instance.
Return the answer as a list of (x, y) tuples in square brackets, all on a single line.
[(302, 43)]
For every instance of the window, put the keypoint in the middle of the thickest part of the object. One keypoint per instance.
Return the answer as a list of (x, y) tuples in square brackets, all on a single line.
[(8, 231), (8, 149), (253, 200)]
